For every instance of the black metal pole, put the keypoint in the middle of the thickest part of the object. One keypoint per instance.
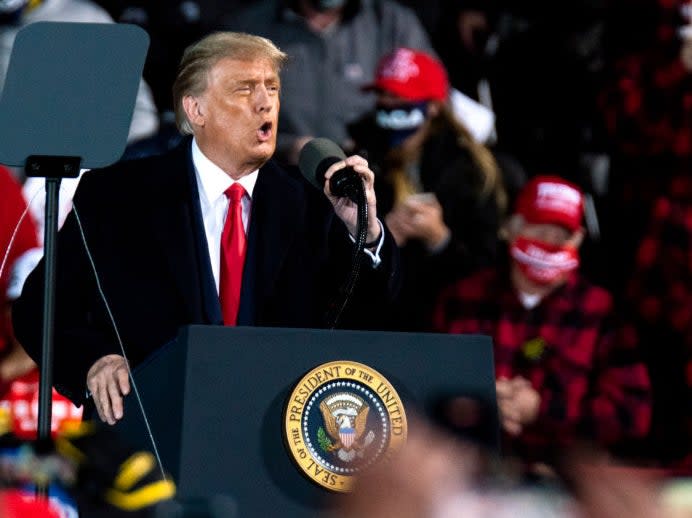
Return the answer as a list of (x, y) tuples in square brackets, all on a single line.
[(50, 234), (50, 250), (53, 169)]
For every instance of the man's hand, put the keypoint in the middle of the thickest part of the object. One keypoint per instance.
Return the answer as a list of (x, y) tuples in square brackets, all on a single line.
[(108, 381), (345, 208), (518, 403)]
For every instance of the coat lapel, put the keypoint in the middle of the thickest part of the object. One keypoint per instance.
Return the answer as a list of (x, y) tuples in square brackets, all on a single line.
[(277, 211), (176, 228)]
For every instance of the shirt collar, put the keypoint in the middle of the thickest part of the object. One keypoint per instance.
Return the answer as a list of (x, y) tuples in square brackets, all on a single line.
[(213, 180)]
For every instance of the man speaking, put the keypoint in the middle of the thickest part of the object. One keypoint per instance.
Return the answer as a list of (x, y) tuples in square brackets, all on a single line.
[(213, 232)]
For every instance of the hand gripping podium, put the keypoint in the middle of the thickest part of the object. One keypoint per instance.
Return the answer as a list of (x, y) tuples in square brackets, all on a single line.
[(278, 418)]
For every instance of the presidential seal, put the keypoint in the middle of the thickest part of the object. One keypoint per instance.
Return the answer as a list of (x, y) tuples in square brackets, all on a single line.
[(341, 418)]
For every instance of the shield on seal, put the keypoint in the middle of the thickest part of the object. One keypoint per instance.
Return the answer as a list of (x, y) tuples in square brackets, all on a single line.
[(347, 436)]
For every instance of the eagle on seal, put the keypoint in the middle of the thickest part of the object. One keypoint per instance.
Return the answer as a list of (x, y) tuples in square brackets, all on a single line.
[(344, 427)]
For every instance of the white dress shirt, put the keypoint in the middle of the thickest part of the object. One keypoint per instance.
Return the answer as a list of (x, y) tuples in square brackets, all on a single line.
[(212, 183)]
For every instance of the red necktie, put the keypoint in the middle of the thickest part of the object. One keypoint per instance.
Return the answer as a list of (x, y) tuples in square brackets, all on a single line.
[(233, 245)]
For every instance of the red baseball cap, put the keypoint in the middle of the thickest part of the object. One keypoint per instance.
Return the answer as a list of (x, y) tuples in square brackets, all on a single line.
[(551, 199), (411, 74)]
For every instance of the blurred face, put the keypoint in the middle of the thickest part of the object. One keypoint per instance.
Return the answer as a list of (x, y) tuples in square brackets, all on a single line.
[(544, 254), (235, 120)]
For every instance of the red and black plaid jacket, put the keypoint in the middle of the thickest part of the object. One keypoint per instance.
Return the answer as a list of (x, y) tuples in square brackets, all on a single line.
[(590, 385), (662, 282), (648, 103), (660, 298)]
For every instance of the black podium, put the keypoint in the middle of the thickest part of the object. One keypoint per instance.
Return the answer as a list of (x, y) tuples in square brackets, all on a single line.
[(216, 398)]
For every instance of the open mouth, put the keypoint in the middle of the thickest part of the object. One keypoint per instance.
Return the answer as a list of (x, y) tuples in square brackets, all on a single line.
[(265, 131)]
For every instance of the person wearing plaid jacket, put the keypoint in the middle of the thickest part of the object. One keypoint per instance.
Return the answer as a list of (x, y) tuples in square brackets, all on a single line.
[(646, 103), (561, 373), (648, 110), (659, 295)]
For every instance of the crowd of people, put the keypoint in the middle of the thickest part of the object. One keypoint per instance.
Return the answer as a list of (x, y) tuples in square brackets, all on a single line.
[(564, 232)]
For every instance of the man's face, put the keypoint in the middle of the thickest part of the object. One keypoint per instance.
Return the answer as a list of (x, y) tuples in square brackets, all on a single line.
[(543, 254), (239, 115)]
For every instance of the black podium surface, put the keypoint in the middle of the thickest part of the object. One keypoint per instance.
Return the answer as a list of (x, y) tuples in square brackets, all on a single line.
[(215, 401)]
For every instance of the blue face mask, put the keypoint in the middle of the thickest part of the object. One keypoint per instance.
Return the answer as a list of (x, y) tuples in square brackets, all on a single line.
[(401, 122)]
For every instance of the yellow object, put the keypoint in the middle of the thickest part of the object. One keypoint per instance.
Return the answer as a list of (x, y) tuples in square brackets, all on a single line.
[(141, 498), (133, 469), (5, 420)]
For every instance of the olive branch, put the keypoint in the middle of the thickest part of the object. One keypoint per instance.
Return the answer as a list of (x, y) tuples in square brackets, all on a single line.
[(323, 440)]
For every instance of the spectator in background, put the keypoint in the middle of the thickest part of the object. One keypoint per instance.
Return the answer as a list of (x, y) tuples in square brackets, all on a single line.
[(647, 108), (543, 65), (334, 47), (648, 112), (442, 192), (659, 295), (561, 375), (539, 67)]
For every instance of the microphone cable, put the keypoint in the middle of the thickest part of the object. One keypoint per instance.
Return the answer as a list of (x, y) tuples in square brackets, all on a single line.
[(135, 390), (3, 264), (337, 306), (315, 159)]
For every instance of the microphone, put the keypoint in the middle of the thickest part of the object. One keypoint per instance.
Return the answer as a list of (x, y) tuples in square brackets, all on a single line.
[(320, 154)]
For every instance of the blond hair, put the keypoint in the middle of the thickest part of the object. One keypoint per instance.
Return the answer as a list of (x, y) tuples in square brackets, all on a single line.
[(491, 176), (200, 57)]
